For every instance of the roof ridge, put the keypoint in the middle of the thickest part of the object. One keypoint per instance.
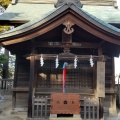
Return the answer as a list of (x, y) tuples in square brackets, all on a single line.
[(68, 2)]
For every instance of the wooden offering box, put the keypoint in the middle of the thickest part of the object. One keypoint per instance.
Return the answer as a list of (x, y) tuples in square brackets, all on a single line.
[(65, 103)]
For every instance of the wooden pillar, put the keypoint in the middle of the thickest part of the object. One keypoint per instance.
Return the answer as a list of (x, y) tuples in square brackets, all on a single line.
[(112, 109), (113, 86), (15, 82), (101, 100), (31, 82), (94, 77), (37, 63)]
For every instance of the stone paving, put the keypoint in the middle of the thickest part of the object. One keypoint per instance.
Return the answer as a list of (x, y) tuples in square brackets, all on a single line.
[(113, 118), (6, 110)]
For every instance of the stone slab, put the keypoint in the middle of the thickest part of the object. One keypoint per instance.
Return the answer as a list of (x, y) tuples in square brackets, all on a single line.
[(64, 118), (74, 116)]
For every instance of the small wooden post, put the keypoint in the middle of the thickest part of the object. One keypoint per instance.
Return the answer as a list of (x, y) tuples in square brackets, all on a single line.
[(46, 107), (85, 109)]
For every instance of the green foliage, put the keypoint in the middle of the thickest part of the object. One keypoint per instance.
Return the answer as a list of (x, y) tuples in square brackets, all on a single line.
[(3, 58), (11, 66), (5, 3), (4, 28)]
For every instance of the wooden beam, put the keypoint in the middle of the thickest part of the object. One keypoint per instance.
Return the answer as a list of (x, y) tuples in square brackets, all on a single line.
[(31, 81), (69, 45), (19, 89), (65, 57), (18, 48)]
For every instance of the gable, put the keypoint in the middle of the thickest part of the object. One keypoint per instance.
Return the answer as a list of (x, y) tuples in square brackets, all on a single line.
[(80, 18)]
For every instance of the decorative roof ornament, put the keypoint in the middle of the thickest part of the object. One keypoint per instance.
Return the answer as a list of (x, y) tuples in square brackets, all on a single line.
[(68, 24), (68, 2)]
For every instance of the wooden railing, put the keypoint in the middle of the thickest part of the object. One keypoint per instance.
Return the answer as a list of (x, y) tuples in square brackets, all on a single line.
[(6, 86)]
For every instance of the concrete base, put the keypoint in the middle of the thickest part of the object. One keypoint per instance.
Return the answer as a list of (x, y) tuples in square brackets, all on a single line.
[(75, 117), (112, 112)]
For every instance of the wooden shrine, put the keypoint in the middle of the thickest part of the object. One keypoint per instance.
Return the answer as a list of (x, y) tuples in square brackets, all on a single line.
[(66, 34)]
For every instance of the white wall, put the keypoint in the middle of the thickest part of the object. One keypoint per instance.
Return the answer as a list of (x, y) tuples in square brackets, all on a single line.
[(117, 67), (118, 4)]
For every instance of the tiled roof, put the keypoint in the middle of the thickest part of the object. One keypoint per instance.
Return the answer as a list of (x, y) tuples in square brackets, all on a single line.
[(28, 12), (108, 14)]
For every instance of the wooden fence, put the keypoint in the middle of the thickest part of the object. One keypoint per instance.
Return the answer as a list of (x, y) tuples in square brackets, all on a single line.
[(41, 109), (91, 109)]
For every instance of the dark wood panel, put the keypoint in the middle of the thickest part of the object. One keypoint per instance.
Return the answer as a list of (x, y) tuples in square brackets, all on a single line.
[(23, 73), (21, 100)]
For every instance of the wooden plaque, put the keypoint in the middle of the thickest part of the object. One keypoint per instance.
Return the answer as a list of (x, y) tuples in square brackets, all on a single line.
[(100, 79)]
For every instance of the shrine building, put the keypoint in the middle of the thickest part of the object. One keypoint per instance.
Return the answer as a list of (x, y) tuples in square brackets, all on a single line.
[(84, 34)]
